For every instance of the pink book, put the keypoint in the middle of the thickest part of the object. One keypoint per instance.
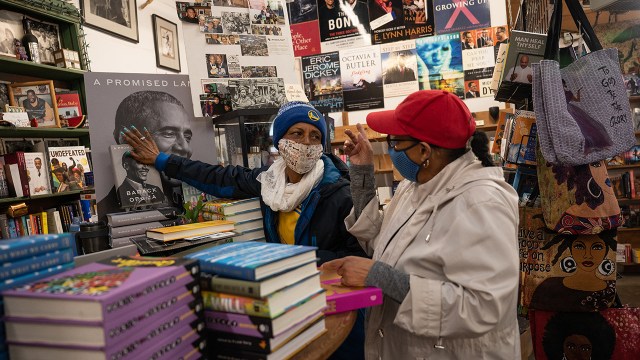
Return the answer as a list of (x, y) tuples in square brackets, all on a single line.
[(342, 298)]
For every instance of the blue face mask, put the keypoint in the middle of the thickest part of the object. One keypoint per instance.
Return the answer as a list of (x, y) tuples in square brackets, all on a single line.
[(406, 167)]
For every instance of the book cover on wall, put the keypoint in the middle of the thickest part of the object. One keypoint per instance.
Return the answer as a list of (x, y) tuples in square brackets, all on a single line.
[(525, 49), (306, 38), (624, 36), (400, 68), (159, 102), (456, 15), (68, 166), (256, 93), (37, 173), (478, 61), (343, 24), (322, 81), (440, 63), (397, 20), (301, 11), (137, 185), (361, 73)]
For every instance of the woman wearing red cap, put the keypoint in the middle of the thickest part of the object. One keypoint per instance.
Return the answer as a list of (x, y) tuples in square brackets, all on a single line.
[(445, 252)]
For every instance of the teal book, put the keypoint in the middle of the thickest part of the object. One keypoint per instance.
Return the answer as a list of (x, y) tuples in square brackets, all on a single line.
[(12, 269), (253, 260), (24, 247)]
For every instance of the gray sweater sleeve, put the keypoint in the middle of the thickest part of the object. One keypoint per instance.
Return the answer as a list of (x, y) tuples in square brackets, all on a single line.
[(394, 283), (363, 186)]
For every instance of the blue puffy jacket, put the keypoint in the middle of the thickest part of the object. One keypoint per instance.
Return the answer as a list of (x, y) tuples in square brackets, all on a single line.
[(321, 221)]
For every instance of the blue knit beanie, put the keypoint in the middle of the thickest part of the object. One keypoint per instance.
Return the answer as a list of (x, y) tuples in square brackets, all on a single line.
[(295, 112)]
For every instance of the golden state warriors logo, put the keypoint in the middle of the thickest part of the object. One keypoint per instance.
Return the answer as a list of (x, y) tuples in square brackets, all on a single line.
[(313, 115)]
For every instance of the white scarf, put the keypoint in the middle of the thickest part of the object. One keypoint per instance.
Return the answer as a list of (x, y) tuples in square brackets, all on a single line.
[(282, 196)]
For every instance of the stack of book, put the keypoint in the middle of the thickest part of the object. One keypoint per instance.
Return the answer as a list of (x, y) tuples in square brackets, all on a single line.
[(245, 214), (119, 308), (51, 221), (29, 259), (125, 225), (262, 300)]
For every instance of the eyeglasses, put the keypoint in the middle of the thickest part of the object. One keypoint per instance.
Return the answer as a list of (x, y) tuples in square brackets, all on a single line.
[(394, 142)]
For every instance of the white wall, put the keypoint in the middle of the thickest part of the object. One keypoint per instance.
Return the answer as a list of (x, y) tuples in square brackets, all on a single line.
[(113, 54)]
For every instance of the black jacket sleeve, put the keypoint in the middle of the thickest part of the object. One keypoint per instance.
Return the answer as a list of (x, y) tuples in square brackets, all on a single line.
[(235, 182)]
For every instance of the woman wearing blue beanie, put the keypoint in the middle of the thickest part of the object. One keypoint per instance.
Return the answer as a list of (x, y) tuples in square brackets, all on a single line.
[(304, 194)]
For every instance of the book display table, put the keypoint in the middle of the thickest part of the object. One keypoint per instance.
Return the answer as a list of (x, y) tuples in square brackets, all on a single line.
[(338, 328)]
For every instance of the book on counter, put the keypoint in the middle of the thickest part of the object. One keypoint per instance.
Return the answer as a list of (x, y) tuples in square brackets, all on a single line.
[(229, 206), (136, 184), (257, 289), (13, 269), (270, 306), (174, 342), (140, 217), (253, 261), (34, 276), (237, 217), (97, 291), (190, 230), (112, 332), (148, 246), (342, 298), (20, 248), (283, 349), (140, 229), (263, 327)]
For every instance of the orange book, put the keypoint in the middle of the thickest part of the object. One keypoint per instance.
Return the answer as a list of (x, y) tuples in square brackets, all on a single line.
[(189, 230)]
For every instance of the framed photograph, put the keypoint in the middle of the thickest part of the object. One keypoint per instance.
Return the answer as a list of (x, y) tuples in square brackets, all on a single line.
[(10, 29), (37, 98), (48, 36), (165, 35), (117, 17)]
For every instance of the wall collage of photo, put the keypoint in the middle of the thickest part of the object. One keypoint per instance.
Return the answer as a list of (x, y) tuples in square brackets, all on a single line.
[(351, 54)]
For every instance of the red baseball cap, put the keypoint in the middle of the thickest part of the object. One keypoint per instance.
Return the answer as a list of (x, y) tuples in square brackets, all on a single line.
[(433, 116)]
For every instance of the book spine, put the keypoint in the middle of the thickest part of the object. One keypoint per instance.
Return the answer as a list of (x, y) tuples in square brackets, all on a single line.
[(26, 226), (225, 340), (13, 232), (236, 304), (18, 268), (231, 286), (32, 247), (238, 324), (4, 226), (353, 300), (140, 229), (34, 276), (170, 346), (123, 219), (45, 222), (230, 271)]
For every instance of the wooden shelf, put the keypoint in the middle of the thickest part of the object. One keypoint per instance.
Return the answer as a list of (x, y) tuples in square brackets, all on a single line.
[(629, 267), (628, 166), (28, 68), (626, 201), (624, 229), (43, 132), (38, 197), (635, 98), (491, 127)]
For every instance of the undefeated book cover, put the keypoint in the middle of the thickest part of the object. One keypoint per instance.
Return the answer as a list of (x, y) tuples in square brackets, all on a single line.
[(136, 184), (97, 291), (68, 166)]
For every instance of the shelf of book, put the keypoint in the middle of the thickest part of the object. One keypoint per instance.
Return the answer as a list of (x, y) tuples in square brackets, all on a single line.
[(39, 197), (619, 167), (27, 68), (43, 132)]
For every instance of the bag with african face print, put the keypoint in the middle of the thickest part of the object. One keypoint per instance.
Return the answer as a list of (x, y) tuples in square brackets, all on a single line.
[(577, 199), (611, 334), (564, 272)]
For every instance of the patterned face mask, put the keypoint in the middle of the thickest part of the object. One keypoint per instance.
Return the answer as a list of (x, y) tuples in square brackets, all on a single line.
[(300, 158)]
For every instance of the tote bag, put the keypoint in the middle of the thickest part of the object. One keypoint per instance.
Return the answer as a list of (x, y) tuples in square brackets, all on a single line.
[(577, 199), (609, 334), (564, 272), (583, 110)]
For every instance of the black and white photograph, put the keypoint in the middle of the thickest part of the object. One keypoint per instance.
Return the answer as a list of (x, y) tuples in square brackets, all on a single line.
[(236, 22), (166, 42), (159, 102), (259, 71), (302, 11), (231, 3), (137, 185), (217, 66), (273, 30), (10, 30), (256, 93), (269, 12), (48, 37), (254, 45), (36, 98), (117, 17)]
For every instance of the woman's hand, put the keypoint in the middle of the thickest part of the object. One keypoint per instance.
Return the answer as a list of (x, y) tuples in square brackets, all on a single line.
[(358, 147), (353, 269), (143, 148)]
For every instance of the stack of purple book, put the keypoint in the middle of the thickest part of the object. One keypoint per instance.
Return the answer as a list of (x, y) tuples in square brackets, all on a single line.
[(119, 308)]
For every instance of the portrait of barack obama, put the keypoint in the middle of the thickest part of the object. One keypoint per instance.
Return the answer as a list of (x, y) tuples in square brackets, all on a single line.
[(167, 120)]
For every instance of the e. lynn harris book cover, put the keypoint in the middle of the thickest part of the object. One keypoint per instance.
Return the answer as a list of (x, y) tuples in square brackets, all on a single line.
[(98, 291)]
